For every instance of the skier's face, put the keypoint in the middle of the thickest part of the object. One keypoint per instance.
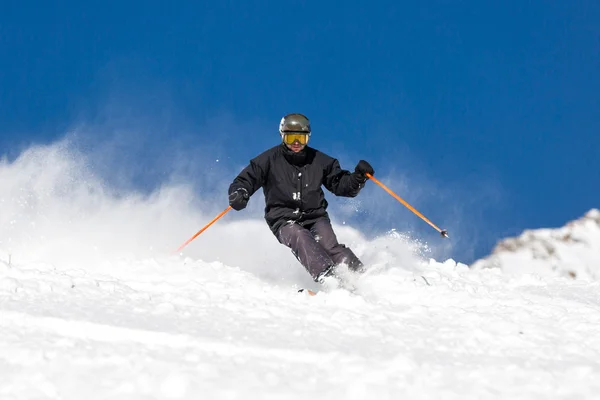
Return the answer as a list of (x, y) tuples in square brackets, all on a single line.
[(295, 141), (295, 147)]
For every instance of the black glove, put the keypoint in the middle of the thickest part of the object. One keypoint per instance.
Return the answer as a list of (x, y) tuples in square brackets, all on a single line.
[(238, 199), (362, 168)]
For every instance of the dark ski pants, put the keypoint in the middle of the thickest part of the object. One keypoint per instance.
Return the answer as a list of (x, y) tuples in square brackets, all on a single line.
[(317, 248)]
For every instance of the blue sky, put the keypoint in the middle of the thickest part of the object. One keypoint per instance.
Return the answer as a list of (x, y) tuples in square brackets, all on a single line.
[(487, 112)]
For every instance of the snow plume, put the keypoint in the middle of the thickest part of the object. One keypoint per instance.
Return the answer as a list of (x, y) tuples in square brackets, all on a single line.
[(56, 209)]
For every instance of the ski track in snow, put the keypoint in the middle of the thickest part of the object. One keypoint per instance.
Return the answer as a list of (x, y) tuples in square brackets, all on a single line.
[(206, 330)]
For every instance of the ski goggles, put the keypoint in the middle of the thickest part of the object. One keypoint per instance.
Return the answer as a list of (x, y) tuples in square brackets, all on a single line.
[(292, 137)]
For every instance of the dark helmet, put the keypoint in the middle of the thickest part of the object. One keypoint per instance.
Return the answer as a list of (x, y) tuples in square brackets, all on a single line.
[(296, 123)]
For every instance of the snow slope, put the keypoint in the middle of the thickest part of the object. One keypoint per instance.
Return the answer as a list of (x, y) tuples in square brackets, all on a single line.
[(571, 251), (94, 305)]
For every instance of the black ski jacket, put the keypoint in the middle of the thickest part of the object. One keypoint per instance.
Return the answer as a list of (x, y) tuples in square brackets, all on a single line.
[(292, 183)]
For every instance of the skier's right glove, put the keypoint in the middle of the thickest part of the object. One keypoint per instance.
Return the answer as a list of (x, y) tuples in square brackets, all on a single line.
[(238, 199)]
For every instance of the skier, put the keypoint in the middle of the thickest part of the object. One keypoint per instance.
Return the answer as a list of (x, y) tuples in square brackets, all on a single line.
[(291, 175)]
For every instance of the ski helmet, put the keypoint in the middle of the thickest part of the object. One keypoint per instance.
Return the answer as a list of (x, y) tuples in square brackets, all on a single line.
[(294, 123)]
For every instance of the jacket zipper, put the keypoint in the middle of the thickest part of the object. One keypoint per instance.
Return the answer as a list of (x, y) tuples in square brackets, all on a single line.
[(300, 179)]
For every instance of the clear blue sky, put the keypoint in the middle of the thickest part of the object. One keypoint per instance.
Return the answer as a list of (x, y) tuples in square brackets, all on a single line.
[(495, 104)]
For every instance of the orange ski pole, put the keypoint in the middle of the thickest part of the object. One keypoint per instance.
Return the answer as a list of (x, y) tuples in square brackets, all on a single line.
[(444, 233), (203, 229)]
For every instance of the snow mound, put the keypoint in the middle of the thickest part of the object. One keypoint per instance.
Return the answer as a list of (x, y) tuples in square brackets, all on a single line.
[(571, 251)]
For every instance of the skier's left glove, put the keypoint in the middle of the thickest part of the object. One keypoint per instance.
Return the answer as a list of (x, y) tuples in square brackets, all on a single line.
[(238, 199), (363, 168)]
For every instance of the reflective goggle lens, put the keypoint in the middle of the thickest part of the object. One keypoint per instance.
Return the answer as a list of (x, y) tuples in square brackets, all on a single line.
[(290, 138)]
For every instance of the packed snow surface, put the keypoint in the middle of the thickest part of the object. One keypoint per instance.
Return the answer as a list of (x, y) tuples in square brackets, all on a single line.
[(94, 305)]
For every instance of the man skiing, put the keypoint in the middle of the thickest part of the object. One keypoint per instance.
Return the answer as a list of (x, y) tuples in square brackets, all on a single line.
[(291, 175)]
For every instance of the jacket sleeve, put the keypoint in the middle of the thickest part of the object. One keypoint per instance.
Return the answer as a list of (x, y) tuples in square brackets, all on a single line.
[(341, 182), (252, 177)]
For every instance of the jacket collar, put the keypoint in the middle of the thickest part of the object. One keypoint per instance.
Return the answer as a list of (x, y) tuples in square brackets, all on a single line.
[(298, 159)]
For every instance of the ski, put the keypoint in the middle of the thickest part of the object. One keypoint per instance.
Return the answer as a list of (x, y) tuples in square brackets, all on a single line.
[(308, 291)]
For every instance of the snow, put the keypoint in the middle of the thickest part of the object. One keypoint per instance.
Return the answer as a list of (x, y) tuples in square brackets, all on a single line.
[(572, 251), (95, 305)]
